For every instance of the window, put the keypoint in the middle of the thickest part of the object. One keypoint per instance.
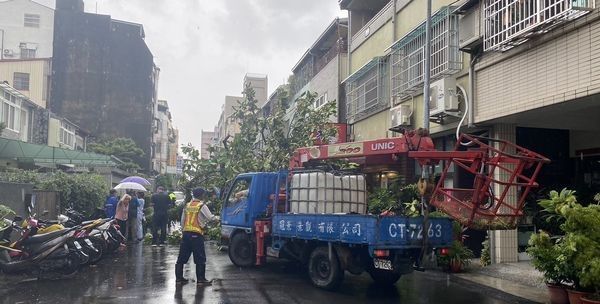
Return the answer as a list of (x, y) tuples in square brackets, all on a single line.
[(239, 191), (27, 53), (366, 90), (67, 135), (32, 20), (10, 112), (408, 55), (21, 81), (321, 100)]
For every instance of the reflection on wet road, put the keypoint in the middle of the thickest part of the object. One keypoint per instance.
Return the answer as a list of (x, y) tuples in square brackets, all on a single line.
[(144, 274)]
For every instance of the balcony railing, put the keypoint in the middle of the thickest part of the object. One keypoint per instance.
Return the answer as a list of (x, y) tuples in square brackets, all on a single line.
[(408, 54), (315, 64), (509, 23)]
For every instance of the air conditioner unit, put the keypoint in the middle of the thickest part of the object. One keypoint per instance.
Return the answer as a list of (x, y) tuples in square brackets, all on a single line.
[(8, 52), (443, 98), (400, 115)]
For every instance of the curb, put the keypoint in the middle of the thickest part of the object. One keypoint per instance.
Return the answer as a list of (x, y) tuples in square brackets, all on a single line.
[(531, 294)]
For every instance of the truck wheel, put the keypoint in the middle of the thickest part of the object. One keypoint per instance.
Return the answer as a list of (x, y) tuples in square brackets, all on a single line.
[(384, 277), (241, 250), (324, 273)]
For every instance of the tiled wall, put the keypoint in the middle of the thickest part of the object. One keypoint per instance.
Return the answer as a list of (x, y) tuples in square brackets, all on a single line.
[(561, 65), (505, 241)]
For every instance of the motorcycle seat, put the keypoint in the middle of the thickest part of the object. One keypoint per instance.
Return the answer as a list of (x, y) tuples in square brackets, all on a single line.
[(40, 238)]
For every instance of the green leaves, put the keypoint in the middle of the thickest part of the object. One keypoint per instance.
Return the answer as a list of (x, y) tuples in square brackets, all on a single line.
[(84, 192), (5, 212), (124, 149), (264, 143)]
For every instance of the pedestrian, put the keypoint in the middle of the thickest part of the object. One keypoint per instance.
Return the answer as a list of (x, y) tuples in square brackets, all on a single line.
[(111, 203), (140, 216), (132, 213), (122, 212), (194, 221), (161, 203)]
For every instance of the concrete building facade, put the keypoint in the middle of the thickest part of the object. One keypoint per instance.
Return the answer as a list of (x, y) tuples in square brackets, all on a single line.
[(28, 122), (322, 69), (165, 139), (26, 30), (527, 75), (207, 140), (104, 77), (32, 77), (260, 84)]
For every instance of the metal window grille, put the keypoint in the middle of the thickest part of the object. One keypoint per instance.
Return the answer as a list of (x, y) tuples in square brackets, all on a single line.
[(408, 54), (31, 20), (509, 23), (21, 81), (366, 90)]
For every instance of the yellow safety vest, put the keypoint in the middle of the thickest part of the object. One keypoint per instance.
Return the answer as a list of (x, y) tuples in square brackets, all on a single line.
[(192, 210)]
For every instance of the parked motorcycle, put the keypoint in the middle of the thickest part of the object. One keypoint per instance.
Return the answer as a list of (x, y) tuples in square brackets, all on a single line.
[(51, 255)]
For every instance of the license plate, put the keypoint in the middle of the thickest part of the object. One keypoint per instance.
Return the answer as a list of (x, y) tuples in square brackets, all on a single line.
[(382, 264)]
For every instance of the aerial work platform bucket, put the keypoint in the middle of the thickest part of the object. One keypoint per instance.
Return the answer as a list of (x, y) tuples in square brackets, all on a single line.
[(503, 174)]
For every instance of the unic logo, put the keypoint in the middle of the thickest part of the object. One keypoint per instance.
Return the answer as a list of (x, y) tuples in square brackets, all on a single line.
[(383, 146)]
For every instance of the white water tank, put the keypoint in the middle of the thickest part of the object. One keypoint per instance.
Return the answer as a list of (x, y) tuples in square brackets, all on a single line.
[(326, 193)]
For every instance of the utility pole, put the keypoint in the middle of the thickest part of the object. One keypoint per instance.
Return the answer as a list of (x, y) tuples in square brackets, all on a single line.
[(427, 72)]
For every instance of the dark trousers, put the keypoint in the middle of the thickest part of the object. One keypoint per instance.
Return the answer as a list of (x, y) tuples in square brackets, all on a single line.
[(191, 243), (159, 222), (122, 227), (132, 226)]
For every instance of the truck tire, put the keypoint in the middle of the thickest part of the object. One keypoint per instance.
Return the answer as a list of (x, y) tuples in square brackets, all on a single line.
[(324, 273), (384, 277), (242, 252)]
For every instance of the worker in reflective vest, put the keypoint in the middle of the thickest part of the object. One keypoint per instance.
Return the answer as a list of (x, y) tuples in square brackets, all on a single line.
[(194, 221)]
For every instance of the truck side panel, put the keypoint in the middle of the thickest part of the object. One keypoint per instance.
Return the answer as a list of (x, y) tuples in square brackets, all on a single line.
[(385, 232)]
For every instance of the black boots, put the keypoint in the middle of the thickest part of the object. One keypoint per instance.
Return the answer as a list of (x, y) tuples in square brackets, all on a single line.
[(201, 275), (179, 279)]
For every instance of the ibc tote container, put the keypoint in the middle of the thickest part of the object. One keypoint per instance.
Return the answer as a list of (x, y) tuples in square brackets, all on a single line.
[(321, 192)]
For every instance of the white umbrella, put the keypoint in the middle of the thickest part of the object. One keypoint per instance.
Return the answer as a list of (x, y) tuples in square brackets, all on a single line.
[(130, 186)]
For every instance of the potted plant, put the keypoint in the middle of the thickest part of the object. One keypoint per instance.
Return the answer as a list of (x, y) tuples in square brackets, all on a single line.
[(575, 254), (545, 253), (457, 258), (582, 247)]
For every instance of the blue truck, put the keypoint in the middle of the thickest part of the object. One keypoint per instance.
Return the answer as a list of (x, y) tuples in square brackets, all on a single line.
[(256, 223)]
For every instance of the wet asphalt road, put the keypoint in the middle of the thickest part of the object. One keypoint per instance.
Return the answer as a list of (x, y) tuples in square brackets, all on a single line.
[(144, 274)]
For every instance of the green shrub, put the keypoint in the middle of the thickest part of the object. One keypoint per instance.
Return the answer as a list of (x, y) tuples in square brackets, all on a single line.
[(83, 192)]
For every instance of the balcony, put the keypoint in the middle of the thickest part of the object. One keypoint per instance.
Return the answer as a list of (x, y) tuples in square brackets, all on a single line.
[(509, 23), (314, 63), (366, 90), (408, 54)]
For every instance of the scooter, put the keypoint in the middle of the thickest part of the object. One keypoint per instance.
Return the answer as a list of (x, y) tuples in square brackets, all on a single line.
[(51, 255)]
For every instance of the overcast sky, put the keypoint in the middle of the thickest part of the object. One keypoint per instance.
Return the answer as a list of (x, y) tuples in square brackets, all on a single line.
[(205, 47)]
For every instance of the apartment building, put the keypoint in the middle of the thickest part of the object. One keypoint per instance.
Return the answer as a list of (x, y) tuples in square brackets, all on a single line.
[(207, 140), (524, 71), (165, 139), (26, 121), (26, 36), (322, 68)]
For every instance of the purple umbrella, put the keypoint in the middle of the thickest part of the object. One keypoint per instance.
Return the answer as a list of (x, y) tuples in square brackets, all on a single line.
[(137, 180)]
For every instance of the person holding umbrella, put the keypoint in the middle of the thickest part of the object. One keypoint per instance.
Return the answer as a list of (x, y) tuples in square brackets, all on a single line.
[(122, 213), (194, 221)]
